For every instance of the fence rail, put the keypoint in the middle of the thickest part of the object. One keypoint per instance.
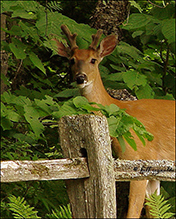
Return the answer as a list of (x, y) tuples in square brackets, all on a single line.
[(77, 168), (14, 171)]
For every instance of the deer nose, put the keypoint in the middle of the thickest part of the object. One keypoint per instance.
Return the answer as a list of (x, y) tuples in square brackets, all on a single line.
[(81, 78)]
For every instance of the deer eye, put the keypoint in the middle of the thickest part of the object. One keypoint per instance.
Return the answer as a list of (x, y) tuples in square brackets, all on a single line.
[(93, 61), (72, 61)]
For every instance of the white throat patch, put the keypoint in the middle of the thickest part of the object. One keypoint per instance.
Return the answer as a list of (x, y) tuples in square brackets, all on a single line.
[(86, 87)]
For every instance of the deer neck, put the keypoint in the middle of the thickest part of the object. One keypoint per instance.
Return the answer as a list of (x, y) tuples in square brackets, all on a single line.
[(95, 92)]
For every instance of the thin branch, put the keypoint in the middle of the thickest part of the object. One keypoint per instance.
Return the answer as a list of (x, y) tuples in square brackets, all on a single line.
[(157, 5), (21, 62)]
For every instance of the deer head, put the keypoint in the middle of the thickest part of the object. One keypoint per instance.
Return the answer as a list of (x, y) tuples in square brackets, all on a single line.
[(84, 62)]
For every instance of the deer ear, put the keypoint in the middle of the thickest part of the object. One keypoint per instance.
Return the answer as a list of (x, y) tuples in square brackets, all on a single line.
[(62, 49), (107, 45)]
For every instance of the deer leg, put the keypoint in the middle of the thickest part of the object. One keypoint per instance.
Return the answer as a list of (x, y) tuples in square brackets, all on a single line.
[(136, 198), (152, 186)]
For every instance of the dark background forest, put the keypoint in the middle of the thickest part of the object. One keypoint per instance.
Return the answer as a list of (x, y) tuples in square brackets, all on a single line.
[(35, 81)]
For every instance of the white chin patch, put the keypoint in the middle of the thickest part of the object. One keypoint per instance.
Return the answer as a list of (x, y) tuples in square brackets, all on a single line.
[(85, 84), (86, 87), (81, 86)]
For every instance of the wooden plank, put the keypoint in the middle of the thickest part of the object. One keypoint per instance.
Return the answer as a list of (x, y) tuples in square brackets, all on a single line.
[(127, 170), (93, 197), (14, 171), (77, 168)]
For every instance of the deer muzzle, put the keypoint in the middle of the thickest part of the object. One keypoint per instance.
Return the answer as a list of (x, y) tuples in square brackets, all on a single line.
[(81, 78)]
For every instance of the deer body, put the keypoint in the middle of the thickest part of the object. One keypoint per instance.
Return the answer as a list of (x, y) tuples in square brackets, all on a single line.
[(156, 115)]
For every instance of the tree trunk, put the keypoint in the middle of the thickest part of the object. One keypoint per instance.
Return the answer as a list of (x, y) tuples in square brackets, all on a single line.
[(4, 56)]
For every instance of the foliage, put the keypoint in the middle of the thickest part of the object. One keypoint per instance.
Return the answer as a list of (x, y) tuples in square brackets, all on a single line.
[(63, 212), (20, 208), (36, 113), (169, 194), (25, 112), (158, 206), (147, 66), (119, 121), (44, 196)]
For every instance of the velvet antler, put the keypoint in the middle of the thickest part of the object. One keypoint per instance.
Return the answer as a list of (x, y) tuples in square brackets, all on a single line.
[(95, 39), (71, 37)]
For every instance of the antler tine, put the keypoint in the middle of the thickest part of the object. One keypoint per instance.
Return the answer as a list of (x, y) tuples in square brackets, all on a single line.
[(95, 39), (71, 37)]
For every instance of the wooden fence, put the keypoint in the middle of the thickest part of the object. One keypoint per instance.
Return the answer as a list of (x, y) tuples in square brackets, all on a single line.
[(88, 167)]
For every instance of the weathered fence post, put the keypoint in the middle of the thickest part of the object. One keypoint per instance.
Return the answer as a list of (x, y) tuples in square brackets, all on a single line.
[(95, 196)]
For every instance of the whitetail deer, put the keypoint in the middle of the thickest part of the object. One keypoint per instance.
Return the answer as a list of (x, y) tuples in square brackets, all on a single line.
[(156, 115)]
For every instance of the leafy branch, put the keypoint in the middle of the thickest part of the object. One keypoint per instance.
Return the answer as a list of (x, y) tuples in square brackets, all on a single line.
[(120, 123), (41, 113)]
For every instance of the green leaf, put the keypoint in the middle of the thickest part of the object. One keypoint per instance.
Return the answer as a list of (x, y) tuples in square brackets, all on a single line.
[(36, 126), (133, 79), (137, 21), (29, 32), (32, 117), (63, 212), (111, 109), (115, 76), (145, 92), (20, 100), (18, 48), (43, 105), (37, 62), (24, 138), (68, 108), (137, 33), (133, 52), (128, 121), (13, 116), (23, 14), (112, 123), (16, 52), (6, 6), (122, 143), (80, 101), (55, 20), (3, 110), (90, 108), (163, 13), (5, 80), (168, 30), (129, 138), (15, 30), (141, 131), (20, 208), (6, 124), (68, 93), (158, 206)]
